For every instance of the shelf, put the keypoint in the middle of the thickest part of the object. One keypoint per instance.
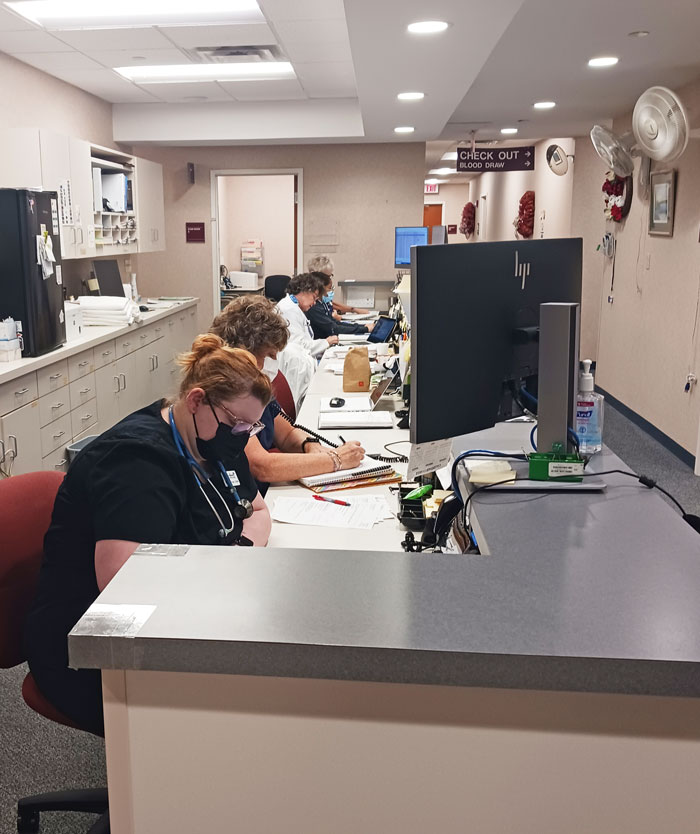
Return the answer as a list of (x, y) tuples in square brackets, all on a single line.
[(110, 155), (108, 165)]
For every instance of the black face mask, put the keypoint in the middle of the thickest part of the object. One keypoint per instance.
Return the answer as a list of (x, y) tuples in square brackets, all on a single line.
[(224, 446)]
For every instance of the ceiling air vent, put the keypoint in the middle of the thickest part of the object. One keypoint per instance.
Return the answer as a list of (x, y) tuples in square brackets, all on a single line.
[(234, 54)]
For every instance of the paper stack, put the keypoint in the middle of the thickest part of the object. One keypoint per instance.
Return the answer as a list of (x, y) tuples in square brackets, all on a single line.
[(108, 311), (363, 513)]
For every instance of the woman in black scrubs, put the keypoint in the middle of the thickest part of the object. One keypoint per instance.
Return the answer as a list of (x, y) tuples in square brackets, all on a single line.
[(171, 473)]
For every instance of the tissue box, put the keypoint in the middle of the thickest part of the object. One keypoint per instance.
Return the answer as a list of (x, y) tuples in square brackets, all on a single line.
[(244, 280), (10, 350), (74, 320)]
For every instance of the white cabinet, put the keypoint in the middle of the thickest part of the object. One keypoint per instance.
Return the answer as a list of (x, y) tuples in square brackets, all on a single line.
[(81, 188), (21, 432), (20, 158), (107, 389), (150, 206)]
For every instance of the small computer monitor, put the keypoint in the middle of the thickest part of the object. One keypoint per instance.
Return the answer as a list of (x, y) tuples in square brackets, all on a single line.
[(475, 327), (404, 238), (109, 279)]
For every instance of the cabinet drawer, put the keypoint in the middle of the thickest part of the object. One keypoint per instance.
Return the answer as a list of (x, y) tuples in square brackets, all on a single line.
[(104, 354), (53, 406), (126, 344), (82, 390), (56, 435), (17, 393), (81, 365), (52, 378), (159, 330), (84, 417), (57, 460)]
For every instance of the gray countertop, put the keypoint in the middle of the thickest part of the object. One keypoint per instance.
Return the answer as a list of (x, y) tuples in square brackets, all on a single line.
[(577, 619)]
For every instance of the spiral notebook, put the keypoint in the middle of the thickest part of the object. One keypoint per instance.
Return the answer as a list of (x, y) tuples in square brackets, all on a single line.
[(367, 469)]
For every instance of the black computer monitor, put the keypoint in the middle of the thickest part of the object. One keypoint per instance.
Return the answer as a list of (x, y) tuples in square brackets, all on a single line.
[(108, 277), (404, 238), (475, 325)]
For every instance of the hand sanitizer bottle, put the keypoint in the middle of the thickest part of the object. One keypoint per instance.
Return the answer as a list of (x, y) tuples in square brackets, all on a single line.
[(589, 413)]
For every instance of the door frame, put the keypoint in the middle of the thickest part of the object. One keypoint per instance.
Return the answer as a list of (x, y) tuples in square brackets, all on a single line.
[(298, 173)]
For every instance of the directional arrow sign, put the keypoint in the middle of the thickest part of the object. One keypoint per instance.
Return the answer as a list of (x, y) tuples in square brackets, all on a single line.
[(481, 160)]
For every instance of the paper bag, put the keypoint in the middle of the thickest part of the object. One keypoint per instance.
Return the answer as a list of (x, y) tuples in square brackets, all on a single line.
[(356, 370)]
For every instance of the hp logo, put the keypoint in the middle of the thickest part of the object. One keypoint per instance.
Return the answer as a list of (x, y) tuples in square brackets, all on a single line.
[(522, 270)]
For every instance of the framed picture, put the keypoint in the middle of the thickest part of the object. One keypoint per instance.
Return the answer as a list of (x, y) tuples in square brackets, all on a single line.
[(662, 202)]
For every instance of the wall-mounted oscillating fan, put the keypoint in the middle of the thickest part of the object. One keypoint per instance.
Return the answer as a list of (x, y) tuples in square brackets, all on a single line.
[(660, 131)]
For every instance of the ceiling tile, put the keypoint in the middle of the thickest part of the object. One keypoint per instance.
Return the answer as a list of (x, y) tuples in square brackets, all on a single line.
[(280, 10), (329, 80), (244, 34), (95, 40), (32, 40), (51, 61), (188, 93), (10, 22), (149, 57), (105, 84), (276, 90), (325, 40)]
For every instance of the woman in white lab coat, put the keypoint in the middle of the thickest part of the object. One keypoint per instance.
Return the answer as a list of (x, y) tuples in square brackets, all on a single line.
[(303, 292)]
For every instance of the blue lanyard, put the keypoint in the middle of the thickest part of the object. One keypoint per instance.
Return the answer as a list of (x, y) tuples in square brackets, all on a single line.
[(295, 300)]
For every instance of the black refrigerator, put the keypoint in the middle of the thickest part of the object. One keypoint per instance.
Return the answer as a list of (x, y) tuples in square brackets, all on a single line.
[(31, 283)]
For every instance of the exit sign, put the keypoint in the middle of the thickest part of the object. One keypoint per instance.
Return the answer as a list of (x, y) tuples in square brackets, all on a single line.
[(431, 188)]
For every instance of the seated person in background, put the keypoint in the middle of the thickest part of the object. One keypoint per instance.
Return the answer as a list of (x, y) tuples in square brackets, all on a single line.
[(322, 263), (302, 293), (157, 476), (252, 323), (323, 322), (224, 280)]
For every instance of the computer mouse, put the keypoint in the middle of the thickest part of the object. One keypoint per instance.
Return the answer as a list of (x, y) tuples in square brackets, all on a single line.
[(143, 308), (337, 402)]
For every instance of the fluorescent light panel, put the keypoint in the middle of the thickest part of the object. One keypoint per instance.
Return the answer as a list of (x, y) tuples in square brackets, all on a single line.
[(94, 14), (187, 73), (410, 96), (544, 105), (442, 171), (404, 129), (427, 27), (450, 155), (603, 61), (509, 130)]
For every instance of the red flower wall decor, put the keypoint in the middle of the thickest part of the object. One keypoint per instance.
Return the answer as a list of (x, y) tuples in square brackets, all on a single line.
[(525, 221), (466, 227)]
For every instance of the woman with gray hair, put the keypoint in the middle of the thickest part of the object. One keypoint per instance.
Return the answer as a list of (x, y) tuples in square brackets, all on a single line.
[(322, 263)]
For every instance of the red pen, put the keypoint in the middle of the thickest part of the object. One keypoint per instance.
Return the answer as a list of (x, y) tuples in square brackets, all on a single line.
[(332, 500)]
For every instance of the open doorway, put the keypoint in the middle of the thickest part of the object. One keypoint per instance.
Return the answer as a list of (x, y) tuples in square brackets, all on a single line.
[(257, 224)]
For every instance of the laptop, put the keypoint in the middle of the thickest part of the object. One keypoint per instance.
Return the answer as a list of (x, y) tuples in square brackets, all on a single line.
[(381, 332), (364, 404)]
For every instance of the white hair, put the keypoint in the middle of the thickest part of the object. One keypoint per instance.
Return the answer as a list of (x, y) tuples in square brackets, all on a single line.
[(320, 263)]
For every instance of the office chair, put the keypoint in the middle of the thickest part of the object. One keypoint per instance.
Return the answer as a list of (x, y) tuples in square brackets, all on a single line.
[(276, 287), (26, 502), (283, 394)]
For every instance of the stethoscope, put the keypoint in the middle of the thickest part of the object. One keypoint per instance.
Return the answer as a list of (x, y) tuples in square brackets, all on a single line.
[(243, 508)]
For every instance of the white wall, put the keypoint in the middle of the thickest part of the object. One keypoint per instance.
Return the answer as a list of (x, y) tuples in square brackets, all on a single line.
[(553, 196), (259, 207)]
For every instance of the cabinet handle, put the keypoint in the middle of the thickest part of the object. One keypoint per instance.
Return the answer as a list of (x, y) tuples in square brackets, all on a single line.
[(21, 392), (60, 464), (158, 329), (171, 323), (82, 241), (126, 344), (143, 336), (119, 388), (85, 390), (86, 417), (122, 377), (106, 352), (60, 434), (157, 361), (83, 364), (153, 364), (58, 405), (2, 443), (14, 445), (55, 376)]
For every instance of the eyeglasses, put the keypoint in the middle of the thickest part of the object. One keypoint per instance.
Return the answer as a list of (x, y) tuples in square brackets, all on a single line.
[(240, 426)]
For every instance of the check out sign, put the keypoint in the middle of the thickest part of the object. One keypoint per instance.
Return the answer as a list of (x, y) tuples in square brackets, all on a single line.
[(480, 160)]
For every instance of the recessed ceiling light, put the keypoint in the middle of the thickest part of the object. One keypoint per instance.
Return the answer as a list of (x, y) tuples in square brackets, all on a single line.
[(87, 14), (404, 129), (509, 130), (185, 73), (449, 155), (544, 105), (427, 27), (639, 33), (603, 61), (410, 96), (442, 171)]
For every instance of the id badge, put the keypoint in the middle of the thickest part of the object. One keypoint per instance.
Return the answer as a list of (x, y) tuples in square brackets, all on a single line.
[(234, 478)]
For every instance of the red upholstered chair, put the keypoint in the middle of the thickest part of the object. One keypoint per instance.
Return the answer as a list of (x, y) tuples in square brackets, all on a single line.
[(283, 394), (26, 502)]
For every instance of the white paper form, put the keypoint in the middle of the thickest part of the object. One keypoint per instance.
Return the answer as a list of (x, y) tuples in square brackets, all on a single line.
[(363, 513)]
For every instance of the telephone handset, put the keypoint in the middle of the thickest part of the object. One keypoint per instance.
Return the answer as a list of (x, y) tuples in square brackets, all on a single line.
[(382, 458)]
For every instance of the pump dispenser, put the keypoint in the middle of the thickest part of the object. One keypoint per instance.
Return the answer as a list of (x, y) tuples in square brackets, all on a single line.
[(589, 413)]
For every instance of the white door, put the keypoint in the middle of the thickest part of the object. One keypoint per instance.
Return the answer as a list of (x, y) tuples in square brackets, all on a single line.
[(150, 206), (481, 218), (81, 188), (20, 431)]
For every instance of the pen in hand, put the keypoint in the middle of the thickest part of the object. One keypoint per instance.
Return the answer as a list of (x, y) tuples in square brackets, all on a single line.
[(342, 439), (332, 500)]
